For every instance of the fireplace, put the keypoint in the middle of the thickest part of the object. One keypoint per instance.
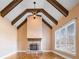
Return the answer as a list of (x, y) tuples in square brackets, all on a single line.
[(34, 44)]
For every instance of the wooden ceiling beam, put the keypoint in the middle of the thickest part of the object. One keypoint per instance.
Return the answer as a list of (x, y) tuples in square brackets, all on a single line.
[(9, 7), (47, 24), (18, 17), (49, 16), (22, 14), (59, 7), (31, 10), (22, 23), (42, 21)]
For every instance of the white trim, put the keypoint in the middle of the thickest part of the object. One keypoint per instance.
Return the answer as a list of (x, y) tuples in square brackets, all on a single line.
[(12, 53), (66, 57), (22, 51), (41, 51), (46, 50)]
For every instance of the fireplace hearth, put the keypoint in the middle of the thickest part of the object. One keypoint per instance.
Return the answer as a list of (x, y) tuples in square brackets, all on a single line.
[(34, 45)]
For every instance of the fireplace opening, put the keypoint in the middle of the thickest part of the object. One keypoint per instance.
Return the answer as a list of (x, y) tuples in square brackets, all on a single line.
[(34, 46)]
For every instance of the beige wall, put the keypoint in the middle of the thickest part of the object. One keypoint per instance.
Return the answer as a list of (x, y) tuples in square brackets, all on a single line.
[(47, 38), (22, 38), (8, 38), (74, 13)]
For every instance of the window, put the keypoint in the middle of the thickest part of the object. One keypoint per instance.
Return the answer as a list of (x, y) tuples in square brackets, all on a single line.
[(65, 38)]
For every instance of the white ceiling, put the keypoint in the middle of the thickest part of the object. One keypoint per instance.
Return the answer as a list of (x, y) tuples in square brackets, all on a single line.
[(68, 4), (4, 3)]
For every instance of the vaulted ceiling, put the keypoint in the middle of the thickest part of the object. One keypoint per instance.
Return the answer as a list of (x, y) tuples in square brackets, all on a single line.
[(17, 11)]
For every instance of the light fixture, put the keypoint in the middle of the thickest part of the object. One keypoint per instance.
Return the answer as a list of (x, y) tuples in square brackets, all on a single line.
[(34, 11)]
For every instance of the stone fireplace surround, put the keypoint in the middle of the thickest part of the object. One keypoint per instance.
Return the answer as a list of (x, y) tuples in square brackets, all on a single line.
[(31, 45)]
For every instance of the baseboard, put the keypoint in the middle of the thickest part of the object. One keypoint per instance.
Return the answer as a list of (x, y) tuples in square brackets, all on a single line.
[(22, 51), (43, 51), (8, 55), (46, 50), (66, 57)]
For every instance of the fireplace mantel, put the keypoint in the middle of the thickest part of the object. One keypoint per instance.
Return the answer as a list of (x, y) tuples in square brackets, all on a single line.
[(34, 39)]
